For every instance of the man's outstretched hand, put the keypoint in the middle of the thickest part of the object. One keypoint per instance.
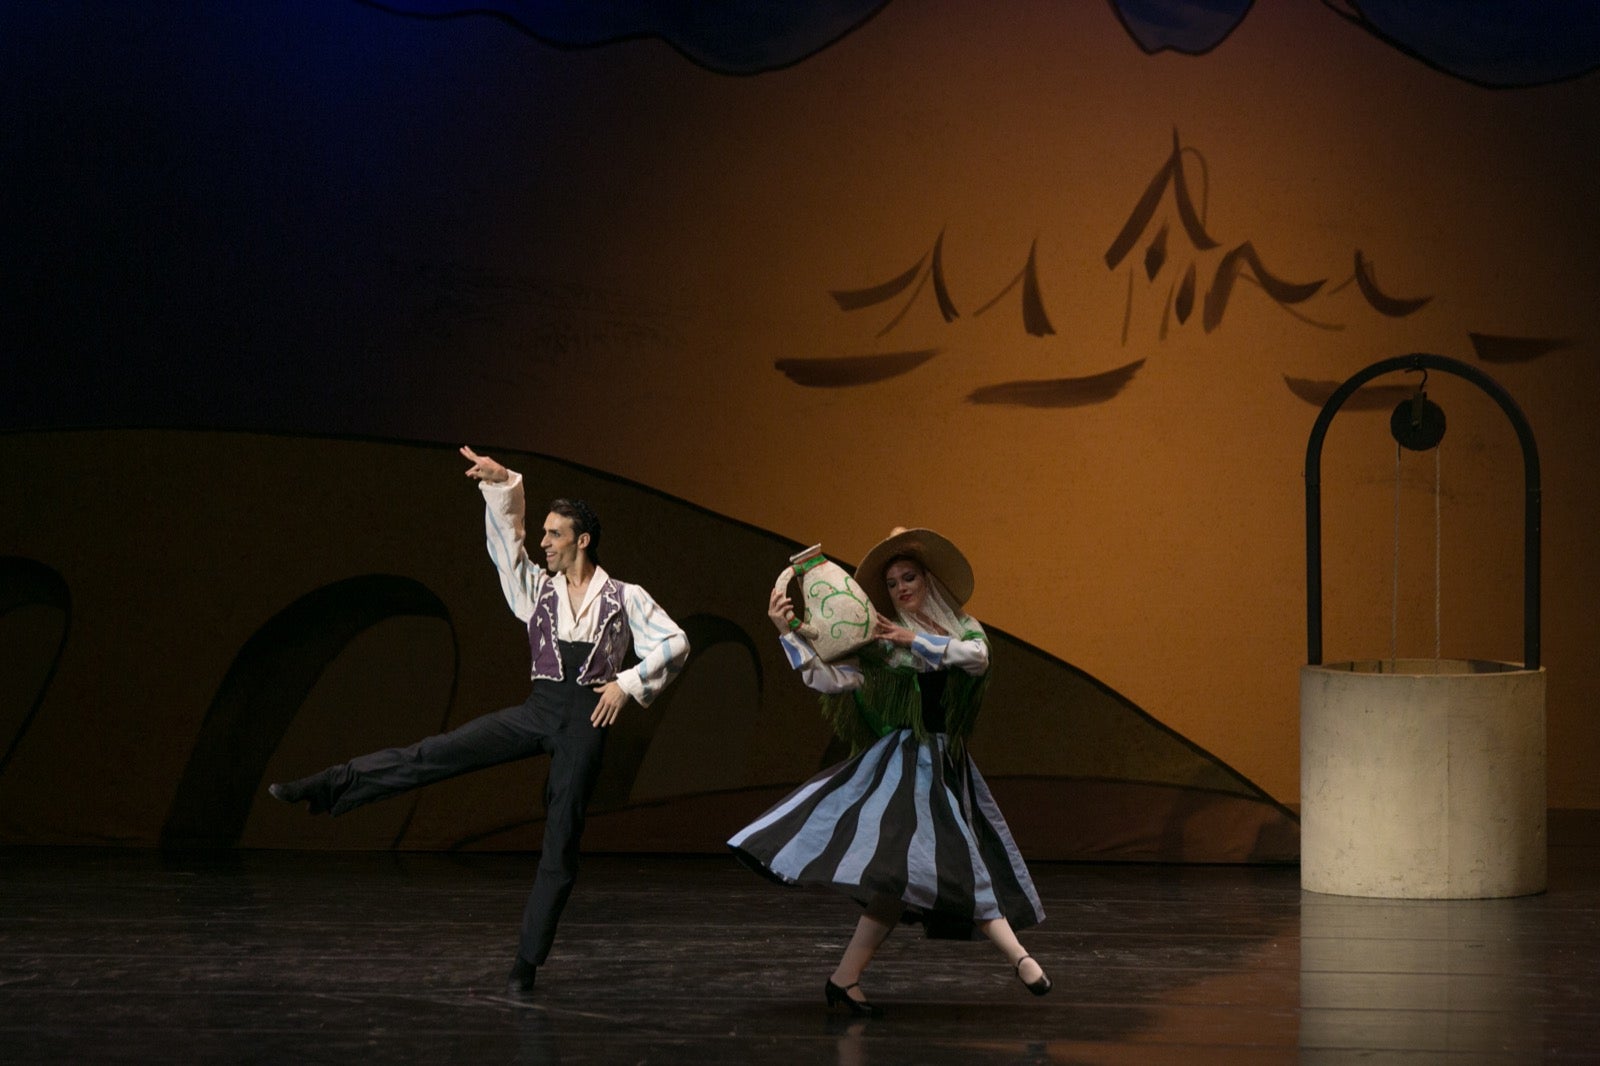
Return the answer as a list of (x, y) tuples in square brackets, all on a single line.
[(484, 468)]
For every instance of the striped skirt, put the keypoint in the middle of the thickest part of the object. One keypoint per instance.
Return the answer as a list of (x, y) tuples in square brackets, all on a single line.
[(902, 819)]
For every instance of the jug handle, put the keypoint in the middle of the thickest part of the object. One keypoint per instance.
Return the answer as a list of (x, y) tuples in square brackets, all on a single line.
[(805, 629)]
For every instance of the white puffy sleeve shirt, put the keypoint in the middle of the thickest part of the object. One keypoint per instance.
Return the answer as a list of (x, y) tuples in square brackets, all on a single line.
[(661, 645)]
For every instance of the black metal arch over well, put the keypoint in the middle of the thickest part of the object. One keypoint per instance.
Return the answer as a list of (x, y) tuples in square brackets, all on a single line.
[(1530, 462)]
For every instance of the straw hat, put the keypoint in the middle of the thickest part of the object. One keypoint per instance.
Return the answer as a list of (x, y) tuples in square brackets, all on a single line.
[(938, 556)]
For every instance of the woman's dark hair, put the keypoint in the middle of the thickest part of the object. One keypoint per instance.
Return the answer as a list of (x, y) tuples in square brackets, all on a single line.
[(907, 557), (583, 520)]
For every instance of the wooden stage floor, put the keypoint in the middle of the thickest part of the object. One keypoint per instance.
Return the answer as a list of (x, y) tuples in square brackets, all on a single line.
[(113, 956)]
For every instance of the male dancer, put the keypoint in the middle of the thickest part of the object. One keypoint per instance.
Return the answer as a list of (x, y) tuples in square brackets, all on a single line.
[(581, 622)]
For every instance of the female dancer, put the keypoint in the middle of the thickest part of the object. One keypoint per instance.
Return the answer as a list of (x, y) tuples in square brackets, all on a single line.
[(906, 826)]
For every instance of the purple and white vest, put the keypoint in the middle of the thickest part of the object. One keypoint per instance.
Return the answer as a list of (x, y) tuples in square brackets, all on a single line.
[(610, 645)]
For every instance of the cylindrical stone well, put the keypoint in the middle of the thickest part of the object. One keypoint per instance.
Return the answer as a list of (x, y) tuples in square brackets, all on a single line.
[(1422, 779)]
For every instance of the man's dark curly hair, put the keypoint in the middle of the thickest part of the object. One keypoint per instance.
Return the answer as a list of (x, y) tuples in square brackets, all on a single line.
[(584, 520)]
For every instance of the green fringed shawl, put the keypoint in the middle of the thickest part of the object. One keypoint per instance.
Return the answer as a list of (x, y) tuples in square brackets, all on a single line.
[(891, 699)]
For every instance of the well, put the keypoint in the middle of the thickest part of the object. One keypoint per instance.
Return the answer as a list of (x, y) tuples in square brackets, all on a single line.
[(1422, 778)]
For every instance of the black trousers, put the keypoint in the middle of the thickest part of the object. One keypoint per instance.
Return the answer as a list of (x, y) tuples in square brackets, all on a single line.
[(554, 720)]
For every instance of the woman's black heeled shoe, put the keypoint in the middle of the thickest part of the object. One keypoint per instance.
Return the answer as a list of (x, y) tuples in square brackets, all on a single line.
[(1039, 987), (860, 1007)]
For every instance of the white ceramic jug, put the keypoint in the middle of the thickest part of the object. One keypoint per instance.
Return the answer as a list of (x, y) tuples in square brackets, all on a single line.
[(833, 613)]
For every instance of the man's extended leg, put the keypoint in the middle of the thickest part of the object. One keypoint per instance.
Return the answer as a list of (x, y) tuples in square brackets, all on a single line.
[(488, 740)]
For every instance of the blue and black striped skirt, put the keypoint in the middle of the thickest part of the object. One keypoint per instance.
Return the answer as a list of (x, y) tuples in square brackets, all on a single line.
[(903, 819)]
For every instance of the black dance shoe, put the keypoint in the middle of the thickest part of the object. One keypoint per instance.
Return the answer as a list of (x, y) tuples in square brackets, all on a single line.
[(859, 1007), (520, 982), (314, 789), (1039, 987)]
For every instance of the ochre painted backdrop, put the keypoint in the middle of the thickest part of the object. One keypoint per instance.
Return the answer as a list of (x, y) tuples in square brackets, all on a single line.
[(327, 219)]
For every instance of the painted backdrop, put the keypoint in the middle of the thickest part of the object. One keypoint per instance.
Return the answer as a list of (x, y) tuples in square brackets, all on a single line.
[(1067, 282)]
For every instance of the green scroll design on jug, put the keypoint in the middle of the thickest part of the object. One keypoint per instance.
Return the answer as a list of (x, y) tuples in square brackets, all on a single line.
[(822, 592)]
